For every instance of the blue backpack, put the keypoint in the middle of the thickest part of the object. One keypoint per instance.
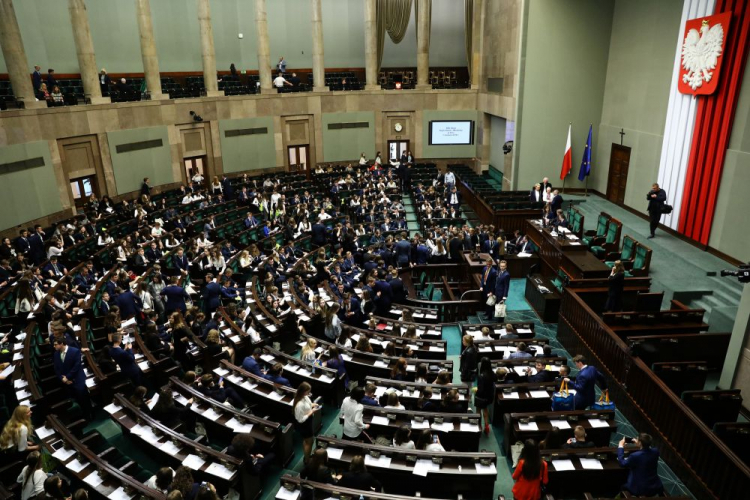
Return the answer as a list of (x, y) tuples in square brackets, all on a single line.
[(562, 400)]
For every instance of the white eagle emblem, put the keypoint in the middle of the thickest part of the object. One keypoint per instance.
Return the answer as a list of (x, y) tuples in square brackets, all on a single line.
[(700, 53)]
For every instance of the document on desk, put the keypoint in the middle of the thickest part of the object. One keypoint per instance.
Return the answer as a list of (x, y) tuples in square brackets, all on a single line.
[(486, 469), (563, 465), (422, 467), (598, 422), (528, 426), (119, 494), (268, 358), (511, 395), (112, 408), (485, 349), (335, 453), (248, 385), (19, 383), (285, 494), (275, 396), (469, 427), (591, 463), (211, 414), (219, 470), (560, 424), (5, 373), (63, 454), (379, 420), (304, 371), (169, 447), (382, 461), (93, 479), (43, 432), (193, 461), (436, 349), (539, 394), (424, 424), (574, 242), (76, 465), (444, 427), (325, 379), (235, 379)]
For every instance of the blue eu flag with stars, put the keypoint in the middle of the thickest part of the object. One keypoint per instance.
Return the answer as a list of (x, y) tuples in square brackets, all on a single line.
[(586, 161)]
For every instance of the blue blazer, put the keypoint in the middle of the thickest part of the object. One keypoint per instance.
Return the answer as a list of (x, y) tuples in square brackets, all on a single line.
[(488, 283), (643, 479), (71, 368), (502, 285), (249, 364), (211, 296), (181, 263), (318, 234), (403, 251), (126, 361), (422, 254), (585, 387), (129, 304), (176, 297)]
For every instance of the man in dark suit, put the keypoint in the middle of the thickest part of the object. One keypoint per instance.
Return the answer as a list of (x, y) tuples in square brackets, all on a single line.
[(383, 297), (51, 80), (643, 479), (36, 78), (656, 199), (175, 297), (181, 262), (319, 231), (351, 311), (588, 377), (22, 242), (557, 201), (544, 185), (145, 187), (54, 270), (541, 375), (250, 363), (250, 221), (125, 359), (226, 186), (536, 194), (211, 295), (154, 253), (455, 247), (487, 287), (454, 199), (68, 368), (403, 251), (397, 288), (130, 305), (502, 285), (36, 245)]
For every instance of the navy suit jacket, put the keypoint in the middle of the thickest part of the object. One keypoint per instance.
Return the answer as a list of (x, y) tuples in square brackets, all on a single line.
[(251, 365), (126, 360), (556, 203), (212, 295), (176, 297), (318, 234), (36, 247), (181, 263), (129, 304), (488, 283), (71, 368), (585, 386), (502, 285), (403, 251), (643, 478)]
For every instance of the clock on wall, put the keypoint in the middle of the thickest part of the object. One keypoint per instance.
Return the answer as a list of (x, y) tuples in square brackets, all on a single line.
[(398, 127)]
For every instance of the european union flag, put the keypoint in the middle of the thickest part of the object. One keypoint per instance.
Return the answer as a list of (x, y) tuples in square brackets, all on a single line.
[(586, 161)]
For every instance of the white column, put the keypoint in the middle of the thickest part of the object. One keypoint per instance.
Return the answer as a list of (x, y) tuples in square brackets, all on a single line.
[(423, 45), (15, 57), (85, 50), (319, 76), (148, 50), (264, 53), (207, 49), (371, 46)]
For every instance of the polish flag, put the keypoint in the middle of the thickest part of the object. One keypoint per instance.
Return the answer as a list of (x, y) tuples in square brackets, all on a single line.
[(567, 159)]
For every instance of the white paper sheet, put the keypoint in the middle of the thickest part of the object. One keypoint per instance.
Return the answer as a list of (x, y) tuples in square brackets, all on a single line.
[(275, 396), (334, 453), (485, 469), (43, 432), (169, 447), (268, 358), (112, 408), (325, 378), (598, 422), (143, 365), (77, 466), (9, 370), (468, 427), (19, 383), (211, 414), (424, 424), (93, 479), (221, 372), (63, 454), (530, 426), (563, 465), (591, 463), (444, 427), (510, 395), (285, 494), (539, 394), (422, 467), (219, 470), (379, 420), (119, 494), (90, 382), (381, 461), (152, 402), (560, 424), (193, 461)]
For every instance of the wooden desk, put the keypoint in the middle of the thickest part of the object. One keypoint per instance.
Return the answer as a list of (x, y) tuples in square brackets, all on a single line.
[(517, 266), (546, 305), (570, 483), (572, 256)]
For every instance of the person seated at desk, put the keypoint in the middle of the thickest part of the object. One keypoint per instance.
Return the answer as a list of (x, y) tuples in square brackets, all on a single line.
[(169, 414), (370, 399), (358, 478), (402, 438), (429, 442), (32, 477), (450, 403), (505, 376), (552, 441), (398, 372), (250, 363), (546, 352), (643, 479), (162, 479), (183, 482), (521, 352), (317, 470), (393, 402), (542, 375), (560, 220), (243, 447), (274, 375), (219, 392), (579, 439), (425, 401)]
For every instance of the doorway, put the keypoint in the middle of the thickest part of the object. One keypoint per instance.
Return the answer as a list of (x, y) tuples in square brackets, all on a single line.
[(82, 188), (297, 156), (396, 149), (195, 166), (619, 162)]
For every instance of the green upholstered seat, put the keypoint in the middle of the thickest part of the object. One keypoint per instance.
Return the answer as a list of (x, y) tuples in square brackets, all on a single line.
[(599, 251), (601, 230), (628, 250)]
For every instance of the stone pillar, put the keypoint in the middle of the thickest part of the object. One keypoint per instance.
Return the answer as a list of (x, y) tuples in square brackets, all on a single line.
[(423, 46), (207, 49), (264, 53), (15, 57), (371, 45), (148, 50), (79, 19), (477, 41), (319, 71)]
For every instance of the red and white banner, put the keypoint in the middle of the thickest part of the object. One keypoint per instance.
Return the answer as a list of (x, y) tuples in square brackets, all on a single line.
[(567, 158), (703, 44)]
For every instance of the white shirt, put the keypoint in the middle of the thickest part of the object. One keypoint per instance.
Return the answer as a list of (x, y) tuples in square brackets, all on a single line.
[(198, 178), (351, 412), (363, 161), (450, 178), (409, 445), (279, 81), (35, 484), (434, 447), (302, 409)]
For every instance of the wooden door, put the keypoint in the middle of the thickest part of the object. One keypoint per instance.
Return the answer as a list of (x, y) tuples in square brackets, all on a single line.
[(396, 149), (298, 157), (619, 162)]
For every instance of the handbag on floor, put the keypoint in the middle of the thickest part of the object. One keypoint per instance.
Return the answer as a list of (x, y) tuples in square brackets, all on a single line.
[(604, 402), (500, 310), (562, 400)]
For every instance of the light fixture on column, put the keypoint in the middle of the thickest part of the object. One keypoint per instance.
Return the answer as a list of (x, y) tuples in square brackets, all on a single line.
[(196, 116)]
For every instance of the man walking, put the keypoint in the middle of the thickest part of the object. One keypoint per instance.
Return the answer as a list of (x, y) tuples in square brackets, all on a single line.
[(656, 199)]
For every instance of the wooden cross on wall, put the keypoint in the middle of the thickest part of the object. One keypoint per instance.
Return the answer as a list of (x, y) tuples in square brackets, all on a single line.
[(622, 135)]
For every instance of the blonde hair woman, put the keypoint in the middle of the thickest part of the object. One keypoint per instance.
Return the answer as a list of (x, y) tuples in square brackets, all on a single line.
[(17, 431), (308, 351)]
